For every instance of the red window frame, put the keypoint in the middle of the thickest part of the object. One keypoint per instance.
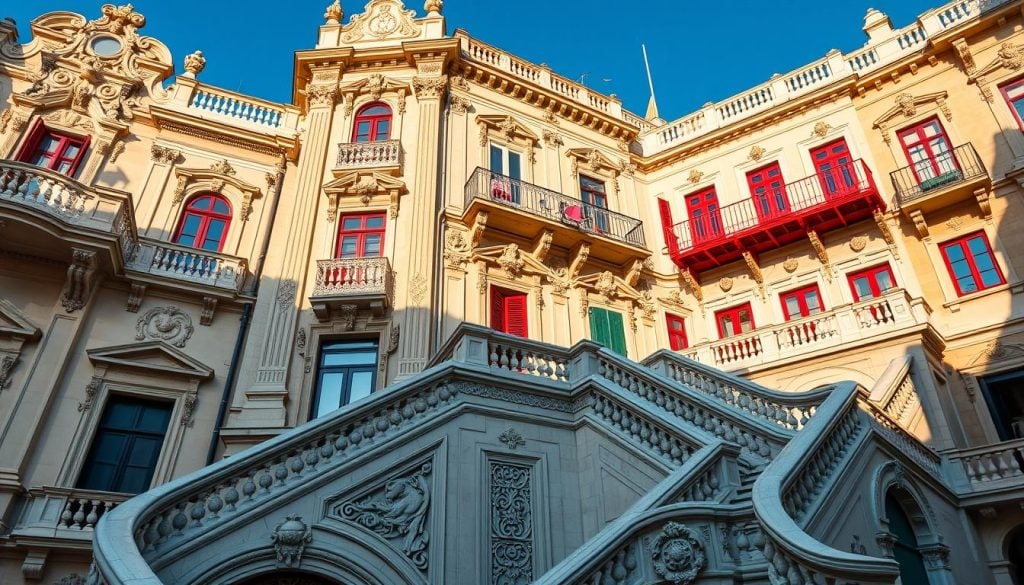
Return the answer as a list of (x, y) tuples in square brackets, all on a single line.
[(971, 262), (735, 313), (804, 308), (372, 123), (676, 327), (54, 159), (705, 215), (939, 162), (207, 215), (834, 166), (370, 228), (1013, 93), (871, 274), (768, 192), (508, 311)]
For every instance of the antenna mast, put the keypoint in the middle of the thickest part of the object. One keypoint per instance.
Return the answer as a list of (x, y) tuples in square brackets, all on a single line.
[(652, 105)]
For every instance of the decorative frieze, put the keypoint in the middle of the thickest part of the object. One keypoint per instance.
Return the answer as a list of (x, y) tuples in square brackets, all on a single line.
[(511, 522)]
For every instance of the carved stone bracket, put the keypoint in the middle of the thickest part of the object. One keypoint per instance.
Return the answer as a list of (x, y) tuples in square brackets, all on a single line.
[(476, 233), (692, 283), (209, 308), (542, 245), (634, 272), (755, 271), (919, 223), (78, 282), (821, 252), (983, 197), (290, 538), (883, 228), (579, 257), (457, 250), (135, 296)]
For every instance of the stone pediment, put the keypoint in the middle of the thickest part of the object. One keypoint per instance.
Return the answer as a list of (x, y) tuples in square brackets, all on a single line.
[(907, 106), (375, 86), (370, 187), (382, 20), (152, 356), (507, 127), (14, 323), (1009, 56), (512, 259), (608, 285), (591, 158)]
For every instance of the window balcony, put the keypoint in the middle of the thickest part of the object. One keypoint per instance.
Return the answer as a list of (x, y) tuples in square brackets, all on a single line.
[(64, 513), (893, 311), (189, 265), (349, 284), (820, 202), (525, 210), (991, 473), (382, 155), (934, 183)]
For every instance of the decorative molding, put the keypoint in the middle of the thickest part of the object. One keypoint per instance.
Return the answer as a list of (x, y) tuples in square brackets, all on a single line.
[(383, 19), (457, 250), (725, 283), (71, 579), (90, 393), (678, 554), (286, 294), (511, 522), (695, 176), (194, 64), (508, 128), (290, 538), (209, 307), (321, 95), (136, 293), (790, 264), (510, 260), (693, 284), (366, 186), (417, 288), (7, 363), (821, 129), (858, 243), (906, 105), (348, 316), (1009, 56), (756, 153), (429, 88), (512, 439), (169, 324), (755, 270), (78, 280)]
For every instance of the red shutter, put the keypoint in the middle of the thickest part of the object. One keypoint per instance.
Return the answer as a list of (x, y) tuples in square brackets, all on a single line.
[(515, 314), (497, 309), (666, 226), (31, 142)]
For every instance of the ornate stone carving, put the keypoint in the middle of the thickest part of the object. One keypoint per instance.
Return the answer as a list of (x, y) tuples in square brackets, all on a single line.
[(300, 341), (382, 19), (399, 511), (756, 153), (857, 547), (223, 167), (647, 305), (552, 138), (90, 394), (821, 129), (456, 250), (512, 439), (695, 176), (286, 294), (321, 94), (820, 251), (511, 530), (72, 579), (163, 155), (209, 308), (290, 538), (725, 283), (348, 316), (5, 119), (434, 6), (510, 261), (605, 284), (691, 282), (905, 102), (558, 277), (429, 87), (169, 324), (678, 554), (790, 264), (460, 104), (886, 542), (116, 151), (333, 14), (78, 280), (393, 339), (919, 223), (135, 296), (194, 64), (7, 363), (858, 243), (188, 409), (417, 288)]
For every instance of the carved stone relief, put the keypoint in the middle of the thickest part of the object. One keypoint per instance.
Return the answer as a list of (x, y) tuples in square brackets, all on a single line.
[(290, 538), (511, 523), (678, 554), (169, 324), (512, 439)]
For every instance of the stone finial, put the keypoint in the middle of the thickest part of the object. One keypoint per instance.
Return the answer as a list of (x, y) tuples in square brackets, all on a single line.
[(194, 64), (877, 25), (334, 14), (433, 6)]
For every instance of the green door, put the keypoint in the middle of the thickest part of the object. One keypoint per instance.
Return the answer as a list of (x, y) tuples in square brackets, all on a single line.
[(606, 328)]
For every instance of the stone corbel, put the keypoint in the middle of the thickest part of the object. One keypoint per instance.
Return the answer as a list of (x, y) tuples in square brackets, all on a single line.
[(883, 228), (78, 282), (209, 307), (579, 257), (34, 564), (542, 245), (476, 233), (919, 223), (693, 284), (820, 252), (135, 296), (755, 271), (633, 274), (963, 50), (984, 197)]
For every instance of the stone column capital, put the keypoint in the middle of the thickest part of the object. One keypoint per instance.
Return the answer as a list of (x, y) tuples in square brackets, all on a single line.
[(430, 88)]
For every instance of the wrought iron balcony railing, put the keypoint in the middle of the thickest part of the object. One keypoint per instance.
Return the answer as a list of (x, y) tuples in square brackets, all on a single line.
[(925, 177), (554, 206), (363, 155)]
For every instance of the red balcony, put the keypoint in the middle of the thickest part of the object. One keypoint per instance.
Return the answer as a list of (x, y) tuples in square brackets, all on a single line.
[(821, 202)]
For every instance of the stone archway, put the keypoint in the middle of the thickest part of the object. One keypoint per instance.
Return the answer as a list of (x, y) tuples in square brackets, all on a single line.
[(1013, 552)]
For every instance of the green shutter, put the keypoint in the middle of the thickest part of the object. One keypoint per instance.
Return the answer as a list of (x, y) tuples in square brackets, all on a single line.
[(599, 326), (617, 333), (606, 329)]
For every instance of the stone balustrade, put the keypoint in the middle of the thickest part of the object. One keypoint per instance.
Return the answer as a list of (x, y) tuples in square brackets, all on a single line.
[(843, 325), (339, 277), (992, 467), (51, 512), (368, 155), (189, 96), (189, 265)]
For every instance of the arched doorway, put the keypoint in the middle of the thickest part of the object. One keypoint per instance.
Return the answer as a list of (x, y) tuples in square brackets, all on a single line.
[(1015, 554), (288, 578), (906, 549)]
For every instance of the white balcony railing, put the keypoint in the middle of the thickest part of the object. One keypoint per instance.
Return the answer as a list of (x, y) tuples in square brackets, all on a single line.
[(367, 155), (848, 324), (352, 277), (190, 97), (65, 513), (993, 467), (189, 265)]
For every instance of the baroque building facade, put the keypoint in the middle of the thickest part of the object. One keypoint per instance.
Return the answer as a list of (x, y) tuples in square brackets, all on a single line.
[(400, 257)]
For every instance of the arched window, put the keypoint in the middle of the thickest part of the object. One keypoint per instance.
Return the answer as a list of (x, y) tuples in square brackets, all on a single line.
[(373, 123), (204, 224), (905, 549)]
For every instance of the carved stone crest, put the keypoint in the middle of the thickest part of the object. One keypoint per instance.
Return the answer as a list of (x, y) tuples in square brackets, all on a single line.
[(510, 261), (678, 554), (695, 176), (290, 538), (756, 152), (512, 439), (858, 243), (821, 129), (725, 283), (456, 250), (906, 104), (169, 324), (790, 264)]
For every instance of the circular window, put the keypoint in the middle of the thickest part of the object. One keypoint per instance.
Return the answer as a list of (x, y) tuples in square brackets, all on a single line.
[(105, 46)]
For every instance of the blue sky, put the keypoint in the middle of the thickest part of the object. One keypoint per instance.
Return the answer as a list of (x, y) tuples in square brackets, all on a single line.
[(699, 51)]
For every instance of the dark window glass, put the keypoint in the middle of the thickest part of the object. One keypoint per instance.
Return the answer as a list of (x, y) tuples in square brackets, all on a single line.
[(126, 447), (346, 373)]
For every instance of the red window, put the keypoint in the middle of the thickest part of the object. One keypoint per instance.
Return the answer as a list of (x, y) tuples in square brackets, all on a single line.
[(834, 168), (768, 191), (676, 332), (52, 150), (705, 217), (361, 236), (665, 211), (205, 222), (802, 302), (735, 321), (373, 123), (508, 311), (928, 151), (970, 263), (1014, 96), (871, 283)]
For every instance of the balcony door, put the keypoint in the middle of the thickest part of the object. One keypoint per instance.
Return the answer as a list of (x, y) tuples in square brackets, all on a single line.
[(361, 236), (834, 167), (929, 153), (595, 201), (506, 172), (705, 215), (373, 124), (768, 191)]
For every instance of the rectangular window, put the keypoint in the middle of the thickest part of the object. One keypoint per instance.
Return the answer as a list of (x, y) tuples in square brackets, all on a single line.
[(508, 311), (676, 332), (127, 446), (768, 192), (929, 153), (735, 321), (606, 328), (595, 201), (802, 302), (1014, 96), (52, 150), (506, 166), (871, 283), (361, 236), (705, 217), (971, 264), (834, 167), (1002, 395), (347, 371)]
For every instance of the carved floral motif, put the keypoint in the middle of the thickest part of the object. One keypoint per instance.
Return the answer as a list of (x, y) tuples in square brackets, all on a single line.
[(399, 511), (511, 523), (678, 554), (510, 260), (195, 63), (512, 439), (169, 324)]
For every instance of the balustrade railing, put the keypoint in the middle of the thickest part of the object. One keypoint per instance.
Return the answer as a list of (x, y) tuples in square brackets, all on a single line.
[(926, 177), (341, 277), (553, 206), (64, 512), (362, 155), (189, 264), (826, 188), (992, 467)]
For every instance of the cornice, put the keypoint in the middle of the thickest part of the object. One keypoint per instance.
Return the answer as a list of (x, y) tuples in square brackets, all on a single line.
[(262, 142)]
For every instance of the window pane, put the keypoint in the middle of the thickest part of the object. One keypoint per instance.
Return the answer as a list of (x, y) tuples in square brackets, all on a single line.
[(214, 234), (361, 386), (352, 223), (884, 279), (63, 168), (349, 247), (154, 420), (378, 110), (813, 302), (513, 165), (220, 206), (726, 323), (350, 358), (372, 247), (329, 392), (792, 308), (497, 165), (120, 415), (383, 129), (375, 222), (746, 321)]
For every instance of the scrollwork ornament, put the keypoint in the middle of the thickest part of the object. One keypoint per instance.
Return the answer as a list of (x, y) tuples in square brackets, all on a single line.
[(678, 554), (169, 324), (321, 95), (290, 538)]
